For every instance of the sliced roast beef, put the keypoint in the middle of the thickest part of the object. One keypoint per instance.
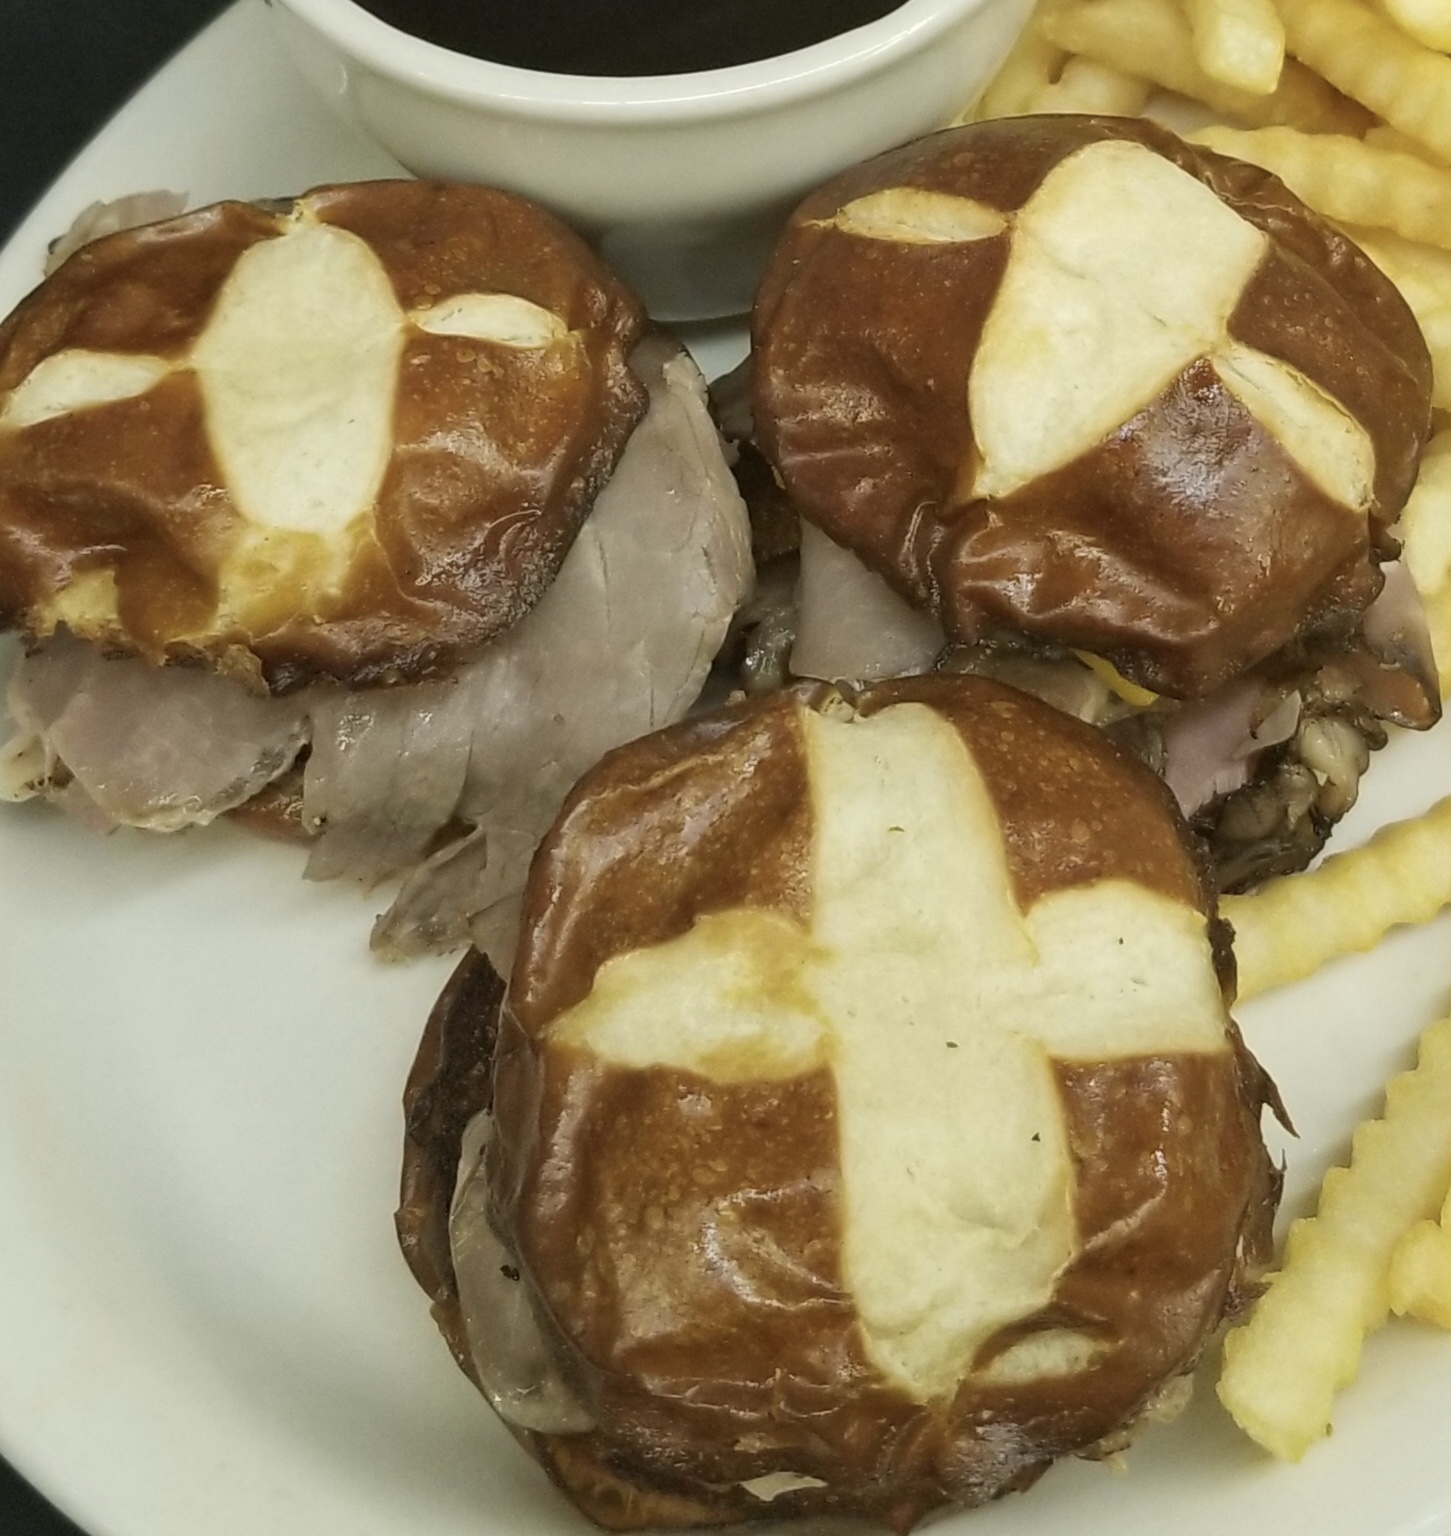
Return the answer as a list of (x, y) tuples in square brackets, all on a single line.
[(619, 645), (452, 782), (127, 744)]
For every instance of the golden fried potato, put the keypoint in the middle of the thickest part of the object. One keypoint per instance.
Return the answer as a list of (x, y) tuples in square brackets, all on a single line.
[(1152, 39), (1032, 65), (1420, 1278), (1371, 60), (1423, 275), (1085, 85), (1290, 927), (1428, 21), (1426, 521), (1426, 531), (1348, 180), (1240, 43), (1303, 1339), (1383, 136)]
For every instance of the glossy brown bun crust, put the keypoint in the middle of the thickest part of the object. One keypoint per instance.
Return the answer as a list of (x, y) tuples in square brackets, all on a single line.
[(681, 1237), (118, 519), (1185, 544)]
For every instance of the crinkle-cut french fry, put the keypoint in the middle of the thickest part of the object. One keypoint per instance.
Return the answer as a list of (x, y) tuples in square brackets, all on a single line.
[(1292, 925), (1371, 59), (1151, 39), (1419, 263), (1085, 85), (1423, 275), (1438, 622), (1304, 1337), (1148, 38), (1428, 21), (1238, 42), (1425, 525), (1420, 1278), (1032, 64), (1347, 180), (1383, 136)]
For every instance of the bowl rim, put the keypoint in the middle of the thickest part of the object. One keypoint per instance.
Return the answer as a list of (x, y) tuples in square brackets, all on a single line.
[(638, 99)]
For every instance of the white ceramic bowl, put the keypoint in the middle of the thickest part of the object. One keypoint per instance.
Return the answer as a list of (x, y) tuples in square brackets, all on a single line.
[(683, 180)]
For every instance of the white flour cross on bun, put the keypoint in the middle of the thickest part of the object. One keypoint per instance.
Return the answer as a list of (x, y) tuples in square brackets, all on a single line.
[(936, 1003)]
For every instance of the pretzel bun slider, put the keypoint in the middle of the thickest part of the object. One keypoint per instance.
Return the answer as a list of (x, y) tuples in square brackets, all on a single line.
[(293, 490), (1128, 425), (863, 1126)]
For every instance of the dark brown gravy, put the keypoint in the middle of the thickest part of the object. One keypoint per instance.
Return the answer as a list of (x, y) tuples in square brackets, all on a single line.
[(626, 37)]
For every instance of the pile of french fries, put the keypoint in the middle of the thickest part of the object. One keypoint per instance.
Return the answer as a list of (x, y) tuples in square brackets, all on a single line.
[(1349, 103)]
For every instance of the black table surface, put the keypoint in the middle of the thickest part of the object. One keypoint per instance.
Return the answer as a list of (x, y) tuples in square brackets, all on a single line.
[(65, 67)]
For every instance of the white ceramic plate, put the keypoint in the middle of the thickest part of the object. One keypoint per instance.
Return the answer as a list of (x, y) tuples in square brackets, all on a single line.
[(205, 1325)]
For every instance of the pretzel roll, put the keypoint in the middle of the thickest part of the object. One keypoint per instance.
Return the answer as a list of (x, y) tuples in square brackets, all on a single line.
[(863, 1126)]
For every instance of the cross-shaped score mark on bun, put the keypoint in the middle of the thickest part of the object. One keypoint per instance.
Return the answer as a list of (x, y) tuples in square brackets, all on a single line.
[(298, 367), (1123, 271), (938, 1007)]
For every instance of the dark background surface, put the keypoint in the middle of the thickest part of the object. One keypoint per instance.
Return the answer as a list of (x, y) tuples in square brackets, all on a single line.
[(65, 67)]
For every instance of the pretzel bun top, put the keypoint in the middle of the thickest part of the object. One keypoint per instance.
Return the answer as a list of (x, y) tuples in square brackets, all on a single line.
[(349, 437), (1073, 377)]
